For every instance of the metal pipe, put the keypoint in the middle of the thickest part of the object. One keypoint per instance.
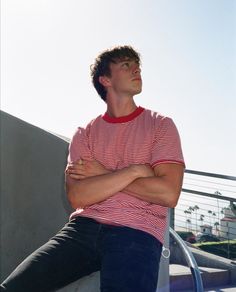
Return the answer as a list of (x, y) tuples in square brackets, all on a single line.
[(223, 176), (192, 264)]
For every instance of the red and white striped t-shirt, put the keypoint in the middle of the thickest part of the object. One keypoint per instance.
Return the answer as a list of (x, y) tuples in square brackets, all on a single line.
[(142, 137)]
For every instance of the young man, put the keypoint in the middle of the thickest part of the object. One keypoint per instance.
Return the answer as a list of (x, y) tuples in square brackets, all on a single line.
[(124, 170)]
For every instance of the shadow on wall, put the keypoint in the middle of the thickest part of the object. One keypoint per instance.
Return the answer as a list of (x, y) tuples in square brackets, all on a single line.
[(33, 201)]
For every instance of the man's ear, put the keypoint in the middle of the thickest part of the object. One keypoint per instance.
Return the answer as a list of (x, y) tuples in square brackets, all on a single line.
[(104, 80)]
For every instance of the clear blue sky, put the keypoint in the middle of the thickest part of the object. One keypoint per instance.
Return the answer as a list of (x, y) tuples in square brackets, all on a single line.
[(188, 50)]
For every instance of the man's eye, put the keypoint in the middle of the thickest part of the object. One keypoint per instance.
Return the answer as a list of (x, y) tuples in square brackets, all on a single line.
[(126, 65)]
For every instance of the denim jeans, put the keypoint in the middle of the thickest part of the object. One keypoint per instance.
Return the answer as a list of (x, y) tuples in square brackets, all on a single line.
[(128, 259)]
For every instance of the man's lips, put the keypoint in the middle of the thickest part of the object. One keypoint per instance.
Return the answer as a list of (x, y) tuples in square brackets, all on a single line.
[(137, 79)]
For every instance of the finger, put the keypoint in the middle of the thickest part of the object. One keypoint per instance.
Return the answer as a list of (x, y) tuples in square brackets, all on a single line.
[(77, 176), (78, 170), (70, 164), (75, 163), (67, 166), (76, 167), (70, 170)]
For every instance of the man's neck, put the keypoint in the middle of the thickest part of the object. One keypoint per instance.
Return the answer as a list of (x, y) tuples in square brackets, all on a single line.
[(120, 108)]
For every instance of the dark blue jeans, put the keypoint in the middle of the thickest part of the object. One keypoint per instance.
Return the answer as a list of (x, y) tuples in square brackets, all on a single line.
[(127, 258)]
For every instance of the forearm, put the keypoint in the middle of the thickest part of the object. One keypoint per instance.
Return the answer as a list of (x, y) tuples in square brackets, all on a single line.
[(157, 190), (91, 190), (90, 182)]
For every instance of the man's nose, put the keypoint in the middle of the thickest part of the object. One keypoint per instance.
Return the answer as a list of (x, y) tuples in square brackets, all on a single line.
[(136, 69)]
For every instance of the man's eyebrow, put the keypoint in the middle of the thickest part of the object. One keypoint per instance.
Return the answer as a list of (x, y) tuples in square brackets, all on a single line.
[(126, 59)]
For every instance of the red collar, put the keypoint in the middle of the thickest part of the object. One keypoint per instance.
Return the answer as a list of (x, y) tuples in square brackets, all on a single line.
[(123, 119)]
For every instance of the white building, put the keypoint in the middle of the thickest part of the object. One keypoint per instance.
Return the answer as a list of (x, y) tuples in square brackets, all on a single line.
[(206, 229), (228, 225)]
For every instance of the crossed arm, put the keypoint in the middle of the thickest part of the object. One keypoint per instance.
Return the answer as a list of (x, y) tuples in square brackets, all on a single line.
[(89, 182)]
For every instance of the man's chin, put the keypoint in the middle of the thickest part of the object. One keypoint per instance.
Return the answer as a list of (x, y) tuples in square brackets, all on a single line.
[(138, 91)]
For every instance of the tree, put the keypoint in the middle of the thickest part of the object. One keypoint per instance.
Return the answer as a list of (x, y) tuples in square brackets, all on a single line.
[(233, 208), (196, 208), (218, 194), (189, 213), (188, 221), (201, 218), (210, 212), (191, 210), (216, 224)]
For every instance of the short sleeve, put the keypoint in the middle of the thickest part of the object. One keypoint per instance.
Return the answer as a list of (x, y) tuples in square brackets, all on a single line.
[(79, 146), (167, 144)]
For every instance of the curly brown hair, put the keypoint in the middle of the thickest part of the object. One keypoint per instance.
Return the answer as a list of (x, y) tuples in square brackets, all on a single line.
[(101, 66)]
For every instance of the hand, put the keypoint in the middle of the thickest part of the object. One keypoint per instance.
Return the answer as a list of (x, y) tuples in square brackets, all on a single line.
[(81, 169)]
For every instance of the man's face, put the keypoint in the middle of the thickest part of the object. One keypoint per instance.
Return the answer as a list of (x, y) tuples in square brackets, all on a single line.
[(125, 77)]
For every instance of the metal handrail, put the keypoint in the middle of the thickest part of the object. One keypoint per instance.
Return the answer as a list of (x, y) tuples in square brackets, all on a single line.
[(204, 194), (210, 174), (197, 279)]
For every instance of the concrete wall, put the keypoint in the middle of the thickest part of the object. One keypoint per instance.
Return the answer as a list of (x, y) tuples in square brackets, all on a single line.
[(33, 201)]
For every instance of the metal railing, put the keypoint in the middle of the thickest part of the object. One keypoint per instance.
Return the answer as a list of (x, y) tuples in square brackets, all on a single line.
[(191, 262), (206, 212), (207, 209)]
